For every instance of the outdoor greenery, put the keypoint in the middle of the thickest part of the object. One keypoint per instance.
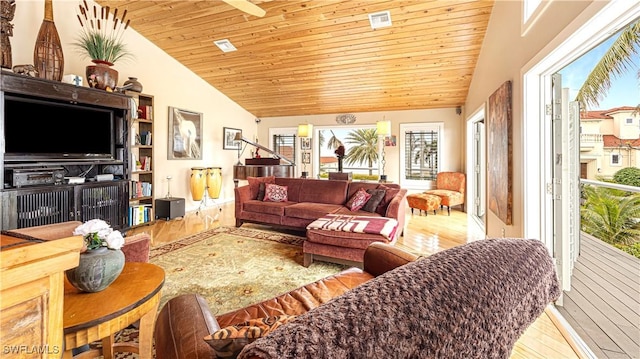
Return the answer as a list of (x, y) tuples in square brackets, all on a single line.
[(616, 61), (611, 217), (629, 176), (364, 147)]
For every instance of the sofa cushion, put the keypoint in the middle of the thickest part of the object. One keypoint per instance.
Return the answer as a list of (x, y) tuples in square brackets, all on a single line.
[(293, 187), (377, 196), (388, 196), (275, 193), (343, 239), (356, 186), (323, 191), (254, 184), (275, 208), (228, 342), (261, 190), (311, 211), (358, 200)]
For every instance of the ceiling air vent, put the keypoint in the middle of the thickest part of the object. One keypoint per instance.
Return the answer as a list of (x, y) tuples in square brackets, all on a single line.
[(380, 19), (225, 45)]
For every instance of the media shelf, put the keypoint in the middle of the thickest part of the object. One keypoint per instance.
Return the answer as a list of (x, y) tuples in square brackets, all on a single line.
[(141, 209), (58, 148), (40, 205)]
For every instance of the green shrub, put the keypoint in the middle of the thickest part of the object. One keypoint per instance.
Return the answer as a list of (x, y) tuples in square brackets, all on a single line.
[(629, 176), (633, 249)]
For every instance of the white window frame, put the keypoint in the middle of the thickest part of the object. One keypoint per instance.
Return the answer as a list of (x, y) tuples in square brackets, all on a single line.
[(287, 131), (315, 159), (426, 126), (629, 121), (617, 163), (531, 12), (579, 39)]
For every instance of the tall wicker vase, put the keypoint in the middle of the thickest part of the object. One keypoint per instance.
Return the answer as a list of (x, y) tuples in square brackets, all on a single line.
[(47, 55)]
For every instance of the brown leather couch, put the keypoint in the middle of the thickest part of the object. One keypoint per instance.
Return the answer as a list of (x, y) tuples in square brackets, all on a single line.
[(185, 320), (470, 301), (310, 199)]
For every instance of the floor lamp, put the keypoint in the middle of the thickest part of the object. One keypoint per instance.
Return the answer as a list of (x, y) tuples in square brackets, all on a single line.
[(383, 128), (305, 132)]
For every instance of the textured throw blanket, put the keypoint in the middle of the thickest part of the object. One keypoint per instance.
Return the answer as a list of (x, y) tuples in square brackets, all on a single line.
[(356, 224), (472, 301)]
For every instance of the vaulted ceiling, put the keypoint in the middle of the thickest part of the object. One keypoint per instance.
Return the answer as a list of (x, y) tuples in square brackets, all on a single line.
[(322, 56)]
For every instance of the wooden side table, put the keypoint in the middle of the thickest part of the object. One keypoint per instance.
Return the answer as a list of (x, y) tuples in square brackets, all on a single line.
[(134, 296)]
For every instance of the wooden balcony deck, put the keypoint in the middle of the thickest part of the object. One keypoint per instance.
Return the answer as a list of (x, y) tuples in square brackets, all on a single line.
[(603, 305)]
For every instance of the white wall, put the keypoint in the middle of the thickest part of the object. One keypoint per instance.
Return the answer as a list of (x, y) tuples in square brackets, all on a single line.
[(167, 80), (504, 54), (453, 150)]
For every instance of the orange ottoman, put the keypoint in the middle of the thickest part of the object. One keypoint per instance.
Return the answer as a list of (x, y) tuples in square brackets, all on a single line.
[(424, 202)]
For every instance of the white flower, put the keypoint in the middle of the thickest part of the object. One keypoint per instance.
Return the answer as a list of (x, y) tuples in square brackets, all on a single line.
[(97, 233), (92, 226), (115, 240)]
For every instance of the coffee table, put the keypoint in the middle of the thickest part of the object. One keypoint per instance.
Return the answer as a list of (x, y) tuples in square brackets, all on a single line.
[(135, 295)]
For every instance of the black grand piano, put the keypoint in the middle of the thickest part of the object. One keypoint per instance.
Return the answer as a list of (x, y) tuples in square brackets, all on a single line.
[(262, 167)]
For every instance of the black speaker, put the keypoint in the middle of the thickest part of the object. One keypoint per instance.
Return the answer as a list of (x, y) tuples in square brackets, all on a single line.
[(169, 208)]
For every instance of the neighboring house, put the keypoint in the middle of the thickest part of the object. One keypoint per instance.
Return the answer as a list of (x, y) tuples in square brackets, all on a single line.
[(609, 141)]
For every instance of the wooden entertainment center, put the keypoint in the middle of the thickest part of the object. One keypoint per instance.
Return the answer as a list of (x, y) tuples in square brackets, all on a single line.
[(44, 188)]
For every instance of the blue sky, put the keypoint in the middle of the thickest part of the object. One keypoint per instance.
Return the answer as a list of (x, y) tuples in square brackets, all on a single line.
[(625, 89)]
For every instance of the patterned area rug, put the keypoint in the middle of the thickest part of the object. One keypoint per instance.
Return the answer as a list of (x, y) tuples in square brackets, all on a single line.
[(232, 268), (235, 267)]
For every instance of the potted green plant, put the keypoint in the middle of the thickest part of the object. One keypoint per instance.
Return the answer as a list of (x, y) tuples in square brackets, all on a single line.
[(101, 41)]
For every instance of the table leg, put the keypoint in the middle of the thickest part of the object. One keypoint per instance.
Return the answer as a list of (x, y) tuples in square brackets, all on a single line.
[(107, 347), (147, 322)]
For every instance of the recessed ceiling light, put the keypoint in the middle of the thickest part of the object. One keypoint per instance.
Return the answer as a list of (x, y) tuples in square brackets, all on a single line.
[(225, 45), (380, 19)]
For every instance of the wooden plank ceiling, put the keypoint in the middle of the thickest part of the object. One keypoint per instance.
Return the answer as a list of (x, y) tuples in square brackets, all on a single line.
[(321, 56)]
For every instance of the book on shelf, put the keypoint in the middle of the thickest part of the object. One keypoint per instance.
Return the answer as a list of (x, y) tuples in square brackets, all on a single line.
[(140, 189), (140, 214), (145, 138), (145, 112), (145, 161)]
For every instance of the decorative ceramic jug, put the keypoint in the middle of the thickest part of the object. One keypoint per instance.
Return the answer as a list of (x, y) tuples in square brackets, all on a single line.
[(136, 86), (101, 75), (97, 269)]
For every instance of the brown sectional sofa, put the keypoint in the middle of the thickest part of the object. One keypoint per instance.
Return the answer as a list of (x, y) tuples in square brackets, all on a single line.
[(472, 301), (310, 199), (185, 320)]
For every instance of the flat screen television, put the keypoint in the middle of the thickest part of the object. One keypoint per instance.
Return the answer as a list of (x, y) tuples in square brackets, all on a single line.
[(36, 130)]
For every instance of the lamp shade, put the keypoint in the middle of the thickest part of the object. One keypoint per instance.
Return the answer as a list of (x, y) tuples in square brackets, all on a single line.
[(383, 128), (305, 130)]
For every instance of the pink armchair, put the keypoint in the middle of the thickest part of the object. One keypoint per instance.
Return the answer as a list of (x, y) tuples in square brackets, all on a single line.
[(450, 187)]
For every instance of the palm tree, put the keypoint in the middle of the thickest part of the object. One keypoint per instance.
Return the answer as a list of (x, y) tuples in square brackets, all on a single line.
[(615, 61), (364, 147), (334, 142), (611, 218)]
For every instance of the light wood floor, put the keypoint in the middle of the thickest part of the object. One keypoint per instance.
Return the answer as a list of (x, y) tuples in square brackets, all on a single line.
[(424, 234)]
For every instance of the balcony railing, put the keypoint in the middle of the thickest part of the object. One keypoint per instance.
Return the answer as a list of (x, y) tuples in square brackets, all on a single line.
[(603, 304), (588, 141)]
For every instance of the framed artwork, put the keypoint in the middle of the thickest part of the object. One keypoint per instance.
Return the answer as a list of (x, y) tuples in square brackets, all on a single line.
[(390, 141), (185, 134), (306, 158), (305, 143), (228, 135), (500, 156)]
